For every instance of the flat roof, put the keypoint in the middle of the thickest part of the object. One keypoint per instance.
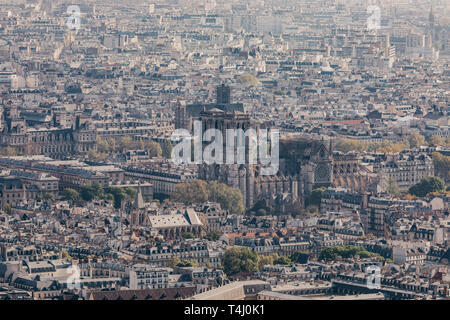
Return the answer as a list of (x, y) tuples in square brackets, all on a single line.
[(209, 295)]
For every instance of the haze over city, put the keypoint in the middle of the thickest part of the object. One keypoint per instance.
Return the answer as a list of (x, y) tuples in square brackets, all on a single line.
[(224, 150)]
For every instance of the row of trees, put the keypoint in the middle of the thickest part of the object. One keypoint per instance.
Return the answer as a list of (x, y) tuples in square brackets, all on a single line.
[(95, 191), (335, 252), (177, 262), (242, 260), (414, 140), (155, 149), (421, 189), (347, 145), (295, 208), (199, 191)]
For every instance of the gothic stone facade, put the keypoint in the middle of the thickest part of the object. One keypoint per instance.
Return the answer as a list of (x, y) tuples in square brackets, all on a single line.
[(304, 164)]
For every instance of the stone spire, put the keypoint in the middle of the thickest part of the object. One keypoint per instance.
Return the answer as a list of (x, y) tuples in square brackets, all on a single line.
[(139, 200)]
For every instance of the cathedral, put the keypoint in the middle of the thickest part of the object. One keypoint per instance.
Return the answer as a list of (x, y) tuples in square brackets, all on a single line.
[(305, 164)]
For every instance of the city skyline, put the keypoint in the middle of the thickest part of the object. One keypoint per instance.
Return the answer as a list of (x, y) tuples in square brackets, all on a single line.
[(224, 150)]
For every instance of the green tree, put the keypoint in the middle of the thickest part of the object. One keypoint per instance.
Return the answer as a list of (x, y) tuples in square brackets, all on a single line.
[(191, 192), (97, 189), (187, 263), (229, 198), (87, 193), (392, 187), (329, 254), (130, 193), (49, 196), (199, 191), (188, 235), (312, 210), (282, 261), (239, 259), (235, 202), (153, 148), (70, 194), (427, 185), (299, 257), (332, 253), (118, 194), (213, 235), (266, 260), (126, 143), (261, 208), (261, 212), (166, 147), (315, 197)]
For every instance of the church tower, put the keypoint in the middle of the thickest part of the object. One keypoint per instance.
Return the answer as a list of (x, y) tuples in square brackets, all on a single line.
[(136, 209), (431, 23)]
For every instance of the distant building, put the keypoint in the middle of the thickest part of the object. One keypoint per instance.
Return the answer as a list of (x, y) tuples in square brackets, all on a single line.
[(185, 115), (146, 277), (53, 142)]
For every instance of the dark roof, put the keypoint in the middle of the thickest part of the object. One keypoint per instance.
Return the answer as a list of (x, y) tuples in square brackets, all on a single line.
[(194, 109), (434, 116), (446, 256), (145, 294)]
